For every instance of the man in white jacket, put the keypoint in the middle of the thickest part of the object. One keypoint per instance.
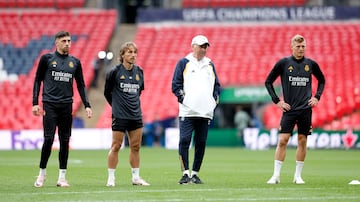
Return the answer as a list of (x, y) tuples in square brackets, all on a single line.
[(197, 88)]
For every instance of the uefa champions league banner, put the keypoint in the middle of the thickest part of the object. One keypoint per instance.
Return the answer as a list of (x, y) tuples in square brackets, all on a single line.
[(314, 13)]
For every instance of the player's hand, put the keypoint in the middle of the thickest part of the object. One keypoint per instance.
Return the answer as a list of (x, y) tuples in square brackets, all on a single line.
[(181, 97), (313, 101), (88, 112), (283, 106), (36, 110)]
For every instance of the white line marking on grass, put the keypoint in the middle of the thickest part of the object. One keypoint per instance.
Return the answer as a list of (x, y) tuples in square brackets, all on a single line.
[(180, 190), (285, 198), (256, 199), (75, 161)]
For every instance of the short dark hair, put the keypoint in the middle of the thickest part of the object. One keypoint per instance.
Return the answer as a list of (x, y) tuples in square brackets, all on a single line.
[(61, 34)]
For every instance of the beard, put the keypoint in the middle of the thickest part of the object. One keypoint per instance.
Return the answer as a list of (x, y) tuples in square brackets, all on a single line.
[(65, 50)]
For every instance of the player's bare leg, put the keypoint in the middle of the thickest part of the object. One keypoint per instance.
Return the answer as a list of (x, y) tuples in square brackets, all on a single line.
[(280, 154), (135, 139), (113, 156), (300, 158)]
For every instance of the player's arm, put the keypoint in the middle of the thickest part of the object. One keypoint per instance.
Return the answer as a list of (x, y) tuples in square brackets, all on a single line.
[(321, 80), (217, 87), (273, 75), (142, 84), (109, 84), (177, 81), (39, 77), (321, 85), (80, 83)]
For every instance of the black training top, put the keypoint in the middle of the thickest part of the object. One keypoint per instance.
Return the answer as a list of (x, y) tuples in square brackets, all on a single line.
[(296, 81), (57, 72), (122, 91)]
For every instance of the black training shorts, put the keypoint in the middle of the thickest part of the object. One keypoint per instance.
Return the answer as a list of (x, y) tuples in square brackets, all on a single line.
[(125, 124), (301, 118)]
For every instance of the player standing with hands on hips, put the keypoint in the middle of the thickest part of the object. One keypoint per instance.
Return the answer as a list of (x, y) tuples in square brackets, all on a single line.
[(56, 71), (296, 73), (197, 88), (123, 86)]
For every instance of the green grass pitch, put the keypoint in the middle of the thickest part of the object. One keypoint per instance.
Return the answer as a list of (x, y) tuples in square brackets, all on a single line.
[(229, 174)]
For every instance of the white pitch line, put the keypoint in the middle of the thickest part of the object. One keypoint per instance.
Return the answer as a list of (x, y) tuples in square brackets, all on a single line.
[(167, 191), (253, 199)]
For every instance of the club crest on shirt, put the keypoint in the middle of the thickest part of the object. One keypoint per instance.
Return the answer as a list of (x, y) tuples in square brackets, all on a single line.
[(291, 68), (71, 64), (53, 63), (122, 77), (307, 68), (137, 77)]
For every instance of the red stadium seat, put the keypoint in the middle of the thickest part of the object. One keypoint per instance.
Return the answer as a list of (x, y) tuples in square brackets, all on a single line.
[(16, 97), (61, 4)]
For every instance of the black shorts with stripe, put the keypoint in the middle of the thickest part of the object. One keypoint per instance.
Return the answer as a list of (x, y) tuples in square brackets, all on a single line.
[(301, 118), (124, 125)]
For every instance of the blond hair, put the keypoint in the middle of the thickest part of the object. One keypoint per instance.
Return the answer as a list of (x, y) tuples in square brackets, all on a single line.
[(297, 38), (125, 47)]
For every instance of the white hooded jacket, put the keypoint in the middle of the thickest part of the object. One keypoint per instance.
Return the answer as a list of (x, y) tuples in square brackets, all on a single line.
[(199, 79)]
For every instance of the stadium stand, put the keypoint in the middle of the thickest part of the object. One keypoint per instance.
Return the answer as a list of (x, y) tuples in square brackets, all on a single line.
[(244, 54), (237, 50), (28, 34), (63, 4)]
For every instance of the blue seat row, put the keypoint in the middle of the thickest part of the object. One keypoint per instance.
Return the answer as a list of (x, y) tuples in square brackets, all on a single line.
[(21, 60)]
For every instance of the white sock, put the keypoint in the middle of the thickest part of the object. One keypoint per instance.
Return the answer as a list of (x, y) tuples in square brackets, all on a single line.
[(187, 172), (62, 173), (299, 167), (277, 168), (42, 172), (194, 173), (135, 173), (111, 173)]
